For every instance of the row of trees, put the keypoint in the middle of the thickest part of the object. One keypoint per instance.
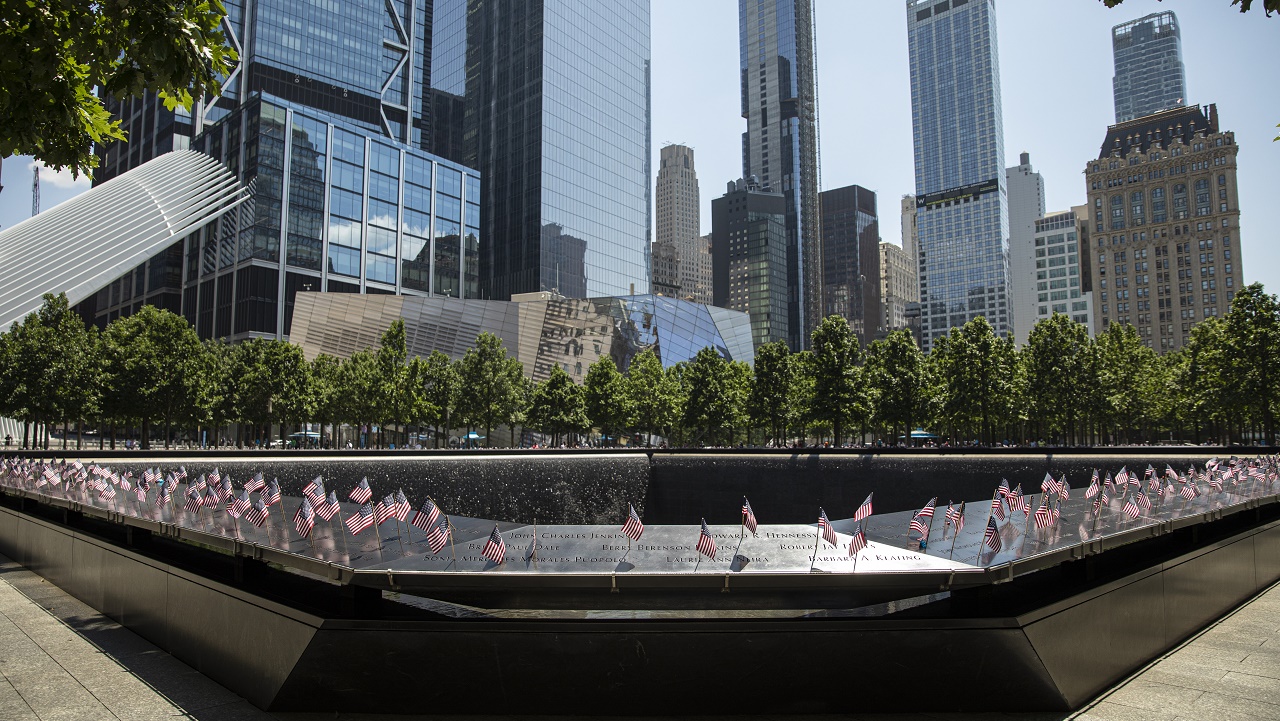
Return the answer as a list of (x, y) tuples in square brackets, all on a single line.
[(1061, 387)]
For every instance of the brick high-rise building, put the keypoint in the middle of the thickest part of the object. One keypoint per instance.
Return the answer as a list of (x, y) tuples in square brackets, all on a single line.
[(1165, 220)]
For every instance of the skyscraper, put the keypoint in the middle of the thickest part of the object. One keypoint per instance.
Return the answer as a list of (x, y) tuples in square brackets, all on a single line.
[(1150, 76), (851, 259), (780, 146), (749, 258), (1026, 206), (554, 101), (962, 216), (1165, 225), (323, 120), (679, 229)]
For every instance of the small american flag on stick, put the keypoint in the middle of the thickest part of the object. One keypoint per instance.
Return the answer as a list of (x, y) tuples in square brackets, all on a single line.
[(426, 516), (633, 528), (437, 537), (360, 520), (361, 493), (864, 511), (991, 537), (706, 544), (824, 527), (748, 516), (495, 549), (304, 519)]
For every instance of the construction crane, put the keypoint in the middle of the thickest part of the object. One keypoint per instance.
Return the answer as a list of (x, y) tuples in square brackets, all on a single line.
[(35, 191)]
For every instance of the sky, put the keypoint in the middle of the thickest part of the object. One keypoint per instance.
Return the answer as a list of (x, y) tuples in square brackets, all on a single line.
[(1055, 74)]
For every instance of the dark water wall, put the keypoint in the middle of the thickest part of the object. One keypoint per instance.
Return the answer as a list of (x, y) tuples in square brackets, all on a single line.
[(666, 488)]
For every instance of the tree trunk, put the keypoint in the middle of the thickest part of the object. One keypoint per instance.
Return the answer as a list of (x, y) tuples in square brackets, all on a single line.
[(146, 434)]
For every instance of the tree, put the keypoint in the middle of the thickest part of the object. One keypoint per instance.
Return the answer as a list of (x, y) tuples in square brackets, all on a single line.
[(325, 380), (607, 404), (59, 59), (837, 390), (1126, 366), (1054, 362), (652, 393), (976, 373), (359, 384), (897, 371), (772, 400), (1269, 6), (1253, 334), (1200, 374), (153, 360), (704, 382), (439, 379), (271, 386), (491, 385), (395, 398), (558, 406)]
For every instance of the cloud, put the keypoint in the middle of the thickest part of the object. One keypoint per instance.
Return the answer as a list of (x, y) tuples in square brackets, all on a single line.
[(60, 179)]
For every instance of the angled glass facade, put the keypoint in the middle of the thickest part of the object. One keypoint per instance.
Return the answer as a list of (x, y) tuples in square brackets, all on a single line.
[(780, 145), (571, 333), (1150, 76), (553, 96), (961, 202), (325, 119)]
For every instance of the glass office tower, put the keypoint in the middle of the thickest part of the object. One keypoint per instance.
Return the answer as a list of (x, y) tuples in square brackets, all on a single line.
[(962, 213), (1150, 76), (780, 146), (325, 119), (554, 101)]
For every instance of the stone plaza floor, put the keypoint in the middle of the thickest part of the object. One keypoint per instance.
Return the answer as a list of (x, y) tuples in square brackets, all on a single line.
[(60, 659)]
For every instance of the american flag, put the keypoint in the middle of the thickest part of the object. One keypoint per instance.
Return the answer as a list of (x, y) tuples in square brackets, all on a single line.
[(211, 499), (997, 508), (1256, 473), (426, 517), (707, 544), (171, 482), (1019, 502), (271, 494), (495, 549), (863, 512), (239, 504), (1094, 486), (361, 493), (257, 513), (215, 477), (950, 515), (991, 537), (1044, 515), (199, 484), (124, 484), (385, 509), (1170, 473), (1108, 486), (1049, 485), (828, 533), (437, 537), (1165, 490), (1143, 500), (162, 496), (1215, 481), (140, 493), (360, 520), (1002, 491), (226, 489), (919, 521), (149, 476), (107, 493), (1189, 491), (304, 519), (857, 542), (328, 508), (194, 501), (256, 483), (748, 516), (314, 491), (1131, 508), (633, 528), (1064, 488), (402, 506), (1134, 480), (960, 517)]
